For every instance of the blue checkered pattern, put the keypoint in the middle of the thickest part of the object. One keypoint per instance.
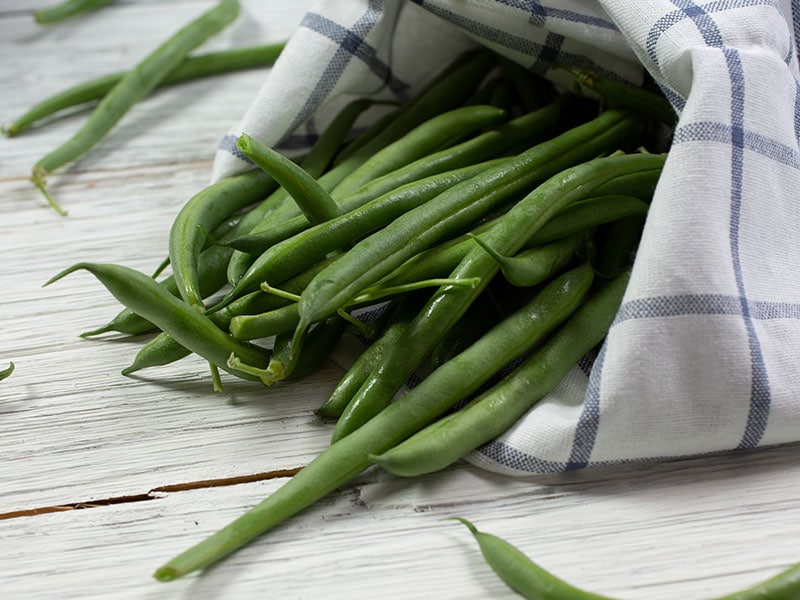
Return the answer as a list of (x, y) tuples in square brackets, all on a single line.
[(703, 355)]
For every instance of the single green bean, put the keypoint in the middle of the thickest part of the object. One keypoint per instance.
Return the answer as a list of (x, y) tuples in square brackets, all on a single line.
[(203, 212), (508, 234), (195, 67), (497, 409), (211, 275), (7, 371), (135, 85), (315, 163), (187, 325), (532, 581), (648, 103), (346, 458), (315, 203), (531, 267), (588, 214), (522, 574), (163, 349), (66, 9)]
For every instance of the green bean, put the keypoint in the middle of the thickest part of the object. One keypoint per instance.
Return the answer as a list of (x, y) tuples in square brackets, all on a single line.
[(187, 325), (163, 349), (66, 9), (588, 214), (507, 235), (448, 90), (348, 384), (497, 409), (648, 103), (783, 586), (202, 212), (315, 163), (616, 245), (346, 458), (211, 275), (499, 346), (435, 133), (136, 84), (321, 341), (379, 254), (7, 371), (533, 266), (315, 203), (297, 253), (266, 324), (522, 574), (195, 67), (532, 581)]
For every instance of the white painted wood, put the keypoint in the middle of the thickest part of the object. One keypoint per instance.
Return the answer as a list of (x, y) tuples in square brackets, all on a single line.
[(74, 430)]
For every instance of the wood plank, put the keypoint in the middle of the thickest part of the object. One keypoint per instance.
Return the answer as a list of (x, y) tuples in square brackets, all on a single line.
[(693, 529)]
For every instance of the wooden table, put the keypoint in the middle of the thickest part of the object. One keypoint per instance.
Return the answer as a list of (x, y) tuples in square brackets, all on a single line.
[(103, 477)]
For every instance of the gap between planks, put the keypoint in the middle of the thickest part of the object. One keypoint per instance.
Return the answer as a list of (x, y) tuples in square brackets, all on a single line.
[(153, 494)]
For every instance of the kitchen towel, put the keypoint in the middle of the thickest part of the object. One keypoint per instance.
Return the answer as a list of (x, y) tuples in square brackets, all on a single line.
[(704, 354)]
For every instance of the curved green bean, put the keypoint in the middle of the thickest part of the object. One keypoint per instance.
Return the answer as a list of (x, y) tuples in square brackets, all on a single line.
[(315, 203), (204, 211), (315, 163), (648, 103), (532, 581), (187, 325), (136, 84), (533, 266), (66, 9), (7, 371), (522, 574), (195, 67)]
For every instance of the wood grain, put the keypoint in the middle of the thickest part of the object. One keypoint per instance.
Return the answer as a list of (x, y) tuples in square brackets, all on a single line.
[(125, 472)]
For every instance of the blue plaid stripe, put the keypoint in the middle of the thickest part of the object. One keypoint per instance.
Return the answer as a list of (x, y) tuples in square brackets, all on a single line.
[(704, 304), (545, 53), (513, 458), (351, 44), (589, 421), (709, 131), (539, 14)]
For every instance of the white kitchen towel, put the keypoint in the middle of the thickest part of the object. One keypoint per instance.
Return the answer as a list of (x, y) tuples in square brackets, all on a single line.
[(704, 355)]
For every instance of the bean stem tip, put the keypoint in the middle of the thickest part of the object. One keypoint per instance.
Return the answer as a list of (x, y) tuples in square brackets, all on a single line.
[(38, 178)]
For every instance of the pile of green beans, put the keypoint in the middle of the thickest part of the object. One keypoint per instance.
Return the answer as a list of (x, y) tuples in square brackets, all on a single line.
[(531, 581), (473, 219)]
